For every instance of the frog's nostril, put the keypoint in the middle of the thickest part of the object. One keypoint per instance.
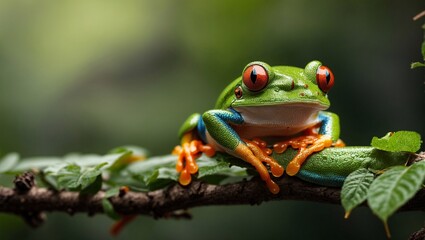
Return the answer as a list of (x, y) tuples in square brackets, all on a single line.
[(277, 89)]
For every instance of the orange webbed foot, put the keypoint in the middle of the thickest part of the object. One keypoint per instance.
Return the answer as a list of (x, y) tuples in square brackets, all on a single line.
[(187, 154), (260, 150), (306, 146), (256, 153)]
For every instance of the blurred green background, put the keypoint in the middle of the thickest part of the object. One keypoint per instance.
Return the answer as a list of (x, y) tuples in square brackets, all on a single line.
[(87, 76)]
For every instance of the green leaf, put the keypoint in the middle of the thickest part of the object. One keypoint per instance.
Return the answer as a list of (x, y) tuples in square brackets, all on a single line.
[(93, 160), (121, 161), (8, 162), (210, 166), (162, 174), (354, 190), (73, 176), (152, 173), (52, 165), (68, 176), (151, 164), (394, 188), (402, 141), (135, 150), (220, 171), (94, 187), (48, 181), (157, 172), (112, 192), (109, 210), (35, 163), (416, 65), (89, 175), (130, 153)]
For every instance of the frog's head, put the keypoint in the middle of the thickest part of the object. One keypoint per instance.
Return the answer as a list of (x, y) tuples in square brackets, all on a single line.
[(262, 85)]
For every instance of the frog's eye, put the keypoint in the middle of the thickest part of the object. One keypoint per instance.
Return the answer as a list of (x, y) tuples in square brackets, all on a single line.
[(255, 77), (324, 78)]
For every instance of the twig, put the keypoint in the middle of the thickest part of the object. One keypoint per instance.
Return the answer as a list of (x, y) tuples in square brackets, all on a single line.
[(419, 235), (419, 15), (161, 203)]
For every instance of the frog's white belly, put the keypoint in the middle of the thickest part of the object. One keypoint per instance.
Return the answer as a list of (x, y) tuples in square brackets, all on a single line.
[(277, 120)]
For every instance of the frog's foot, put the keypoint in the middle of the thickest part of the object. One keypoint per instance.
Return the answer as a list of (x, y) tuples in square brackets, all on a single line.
[(260, 150), (187, 154), (306, 146), (255, 153)]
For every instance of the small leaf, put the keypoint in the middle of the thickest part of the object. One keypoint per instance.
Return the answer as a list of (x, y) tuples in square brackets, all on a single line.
[(416, 65), (89, 175), (135, 150), (354, 190), (8, 162), (72, 176), (121, 161), (151, 164), (402, 141), (130, 154), (394, 188), (94, 187), (112, 192), (148, 170), (35, 163), (109, 210), (48, 181), (68, 176), (210, 166), (162, 174)]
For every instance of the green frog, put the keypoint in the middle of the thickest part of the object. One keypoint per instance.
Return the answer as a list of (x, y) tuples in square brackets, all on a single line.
[(282, 104)]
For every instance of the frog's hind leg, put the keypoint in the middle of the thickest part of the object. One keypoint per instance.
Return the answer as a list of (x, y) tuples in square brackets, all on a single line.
[(254, 155)]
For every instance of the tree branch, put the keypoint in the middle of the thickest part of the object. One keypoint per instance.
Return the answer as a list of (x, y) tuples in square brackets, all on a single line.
[(161, 203)]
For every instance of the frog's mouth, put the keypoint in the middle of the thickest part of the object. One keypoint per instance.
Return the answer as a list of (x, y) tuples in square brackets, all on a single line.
[(289, 114)]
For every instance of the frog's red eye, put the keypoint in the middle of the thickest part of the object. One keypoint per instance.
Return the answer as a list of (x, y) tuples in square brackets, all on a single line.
[(255, 77), (324, 78)]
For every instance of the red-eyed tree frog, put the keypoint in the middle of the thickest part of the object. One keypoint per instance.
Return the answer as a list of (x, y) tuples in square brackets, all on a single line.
[(282, 104)]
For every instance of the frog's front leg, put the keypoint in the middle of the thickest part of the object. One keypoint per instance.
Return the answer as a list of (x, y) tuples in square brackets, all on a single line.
[(312, 142), (217, 123)]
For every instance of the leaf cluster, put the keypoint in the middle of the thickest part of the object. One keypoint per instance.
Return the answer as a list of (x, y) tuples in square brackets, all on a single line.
[(393, 186), (129, 166), (123, 166)]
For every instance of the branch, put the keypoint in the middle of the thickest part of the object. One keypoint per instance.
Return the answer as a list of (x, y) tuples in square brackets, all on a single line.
[(161, 203)]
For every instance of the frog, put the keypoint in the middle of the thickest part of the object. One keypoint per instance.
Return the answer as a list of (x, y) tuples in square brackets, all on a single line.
[(283, 104)]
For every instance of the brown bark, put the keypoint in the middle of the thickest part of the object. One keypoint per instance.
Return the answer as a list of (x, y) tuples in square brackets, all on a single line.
[(162, 202)]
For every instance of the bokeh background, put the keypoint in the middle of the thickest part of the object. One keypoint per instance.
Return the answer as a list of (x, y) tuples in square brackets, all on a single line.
[(89, 75)]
